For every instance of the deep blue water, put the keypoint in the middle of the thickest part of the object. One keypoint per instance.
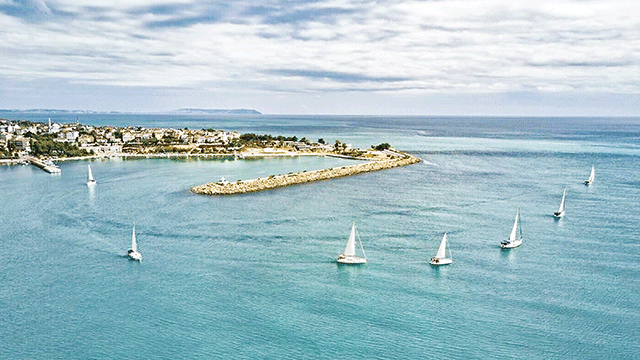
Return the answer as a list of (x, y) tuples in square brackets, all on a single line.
[(255, 277)]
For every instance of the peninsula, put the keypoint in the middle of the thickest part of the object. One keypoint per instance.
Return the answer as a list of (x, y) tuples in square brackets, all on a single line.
[(40, 143)]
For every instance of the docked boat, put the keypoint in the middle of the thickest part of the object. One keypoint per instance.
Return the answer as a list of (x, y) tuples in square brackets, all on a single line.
[(349, 254), (560, 213), (222, 181), (592, 176), (441, 257), (133, 253), (515, 237), (90, 179)]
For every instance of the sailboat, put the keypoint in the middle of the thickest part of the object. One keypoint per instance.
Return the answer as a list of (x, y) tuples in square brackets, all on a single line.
[(90, 179), (515, 237), (592, 176), (133, 253), (441, 257), (560, 213), (349, 255)]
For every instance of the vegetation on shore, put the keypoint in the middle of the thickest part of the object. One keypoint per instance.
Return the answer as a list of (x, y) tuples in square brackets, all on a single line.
[(44, 145), (75, 140)]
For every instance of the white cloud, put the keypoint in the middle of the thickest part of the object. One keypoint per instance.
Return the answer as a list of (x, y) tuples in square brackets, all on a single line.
[(460, 46)]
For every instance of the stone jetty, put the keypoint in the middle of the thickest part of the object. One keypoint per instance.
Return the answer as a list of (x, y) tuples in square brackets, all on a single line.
[(277, 181), (48, 167)]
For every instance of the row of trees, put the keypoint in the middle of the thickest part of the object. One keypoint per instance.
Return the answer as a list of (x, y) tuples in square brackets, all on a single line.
[(45, 145), (250, 139)]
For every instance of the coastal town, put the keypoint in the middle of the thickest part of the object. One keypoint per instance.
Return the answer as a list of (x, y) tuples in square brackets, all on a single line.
[(70, 141), (53, 140), (41, 143)]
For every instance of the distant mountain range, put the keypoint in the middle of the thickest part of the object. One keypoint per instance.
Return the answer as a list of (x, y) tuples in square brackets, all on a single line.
[(183, 111)]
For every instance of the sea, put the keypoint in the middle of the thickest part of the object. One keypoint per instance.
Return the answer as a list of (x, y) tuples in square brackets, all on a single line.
[(255, 276)]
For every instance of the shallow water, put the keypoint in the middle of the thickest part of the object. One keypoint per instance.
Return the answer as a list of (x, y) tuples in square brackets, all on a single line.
[(254, 276)]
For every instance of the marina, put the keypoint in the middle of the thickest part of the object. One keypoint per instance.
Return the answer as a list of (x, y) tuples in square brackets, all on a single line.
[(44, 165)]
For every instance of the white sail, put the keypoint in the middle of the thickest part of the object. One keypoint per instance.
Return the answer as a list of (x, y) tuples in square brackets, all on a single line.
[(561, 209), (514, 231), (441, 257), (90, 174), (443, 247), (592, 176), (134, 245), (350, 250)]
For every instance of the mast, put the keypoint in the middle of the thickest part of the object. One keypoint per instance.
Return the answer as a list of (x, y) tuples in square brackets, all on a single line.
[(519, 224), (134, 245), (561, 209), (514, 230), (361, 247)]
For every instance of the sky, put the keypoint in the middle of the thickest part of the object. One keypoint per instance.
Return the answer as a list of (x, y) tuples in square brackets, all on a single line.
[(333, 57)]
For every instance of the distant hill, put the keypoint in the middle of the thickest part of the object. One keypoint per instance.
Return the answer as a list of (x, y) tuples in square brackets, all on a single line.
[(217, 111), (51, 111), (183, 111)]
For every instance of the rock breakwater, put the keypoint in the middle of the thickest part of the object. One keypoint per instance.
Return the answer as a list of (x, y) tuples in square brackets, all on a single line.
[(278, 181)]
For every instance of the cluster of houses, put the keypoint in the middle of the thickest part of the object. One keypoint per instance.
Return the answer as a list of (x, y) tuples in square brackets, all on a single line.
[(105, 140), (12, 138), (17, 138)]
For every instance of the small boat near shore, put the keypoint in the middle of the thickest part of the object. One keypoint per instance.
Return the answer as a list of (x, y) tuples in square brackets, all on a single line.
[(349, 254), (592, 176), (441, 257), (560, 213), (133, 253), (515, 237), (223, 181)]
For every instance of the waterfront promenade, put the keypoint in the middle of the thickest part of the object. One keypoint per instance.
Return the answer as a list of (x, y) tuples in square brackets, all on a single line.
[(278, 181)]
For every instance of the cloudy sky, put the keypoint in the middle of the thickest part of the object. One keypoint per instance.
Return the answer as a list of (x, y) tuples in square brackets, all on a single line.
[(440, 57)]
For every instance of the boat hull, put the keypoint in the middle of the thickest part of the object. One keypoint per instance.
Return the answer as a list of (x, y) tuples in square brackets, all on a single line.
[(438, 262), (511, 245), (352, 260), (558, 215), (91, 183), (134, 255)]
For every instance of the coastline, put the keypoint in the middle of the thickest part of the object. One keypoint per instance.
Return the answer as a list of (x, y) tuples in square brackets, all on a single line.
[(283, 180), (242, 155)]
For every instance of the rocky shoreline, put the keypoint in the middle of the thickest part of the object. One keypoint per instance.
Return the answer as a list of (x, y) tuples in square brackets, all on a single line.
[(278, 181)]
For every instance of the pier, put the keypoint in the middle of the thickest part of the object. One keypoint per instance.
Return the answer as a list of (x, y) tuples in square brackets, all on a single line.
[(277, 181), (52, 169)]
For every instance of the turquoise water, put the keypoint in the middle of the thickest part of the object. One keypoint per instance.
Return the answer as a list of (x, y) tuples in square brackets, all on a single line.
[(254, 276)]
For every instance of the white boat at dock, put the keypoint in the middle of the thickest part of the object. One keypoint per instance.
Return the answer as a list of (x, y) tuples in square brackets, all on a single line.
[(46, 165), (223, 181)]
